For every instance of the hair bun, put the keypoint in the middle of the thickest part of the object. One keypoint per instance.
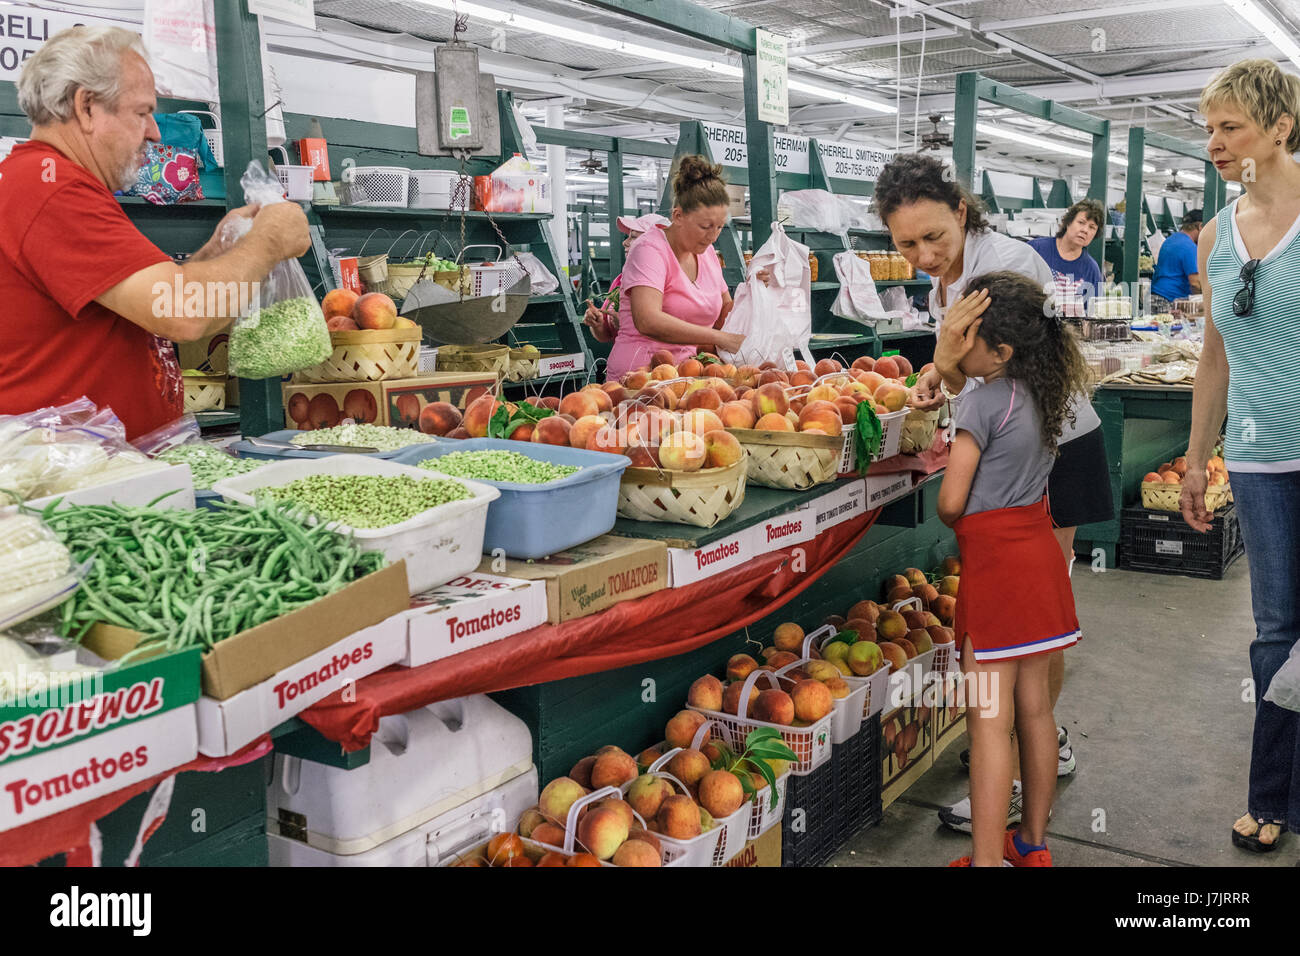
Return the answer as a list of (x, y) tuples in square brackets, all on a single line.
[(697, 169)]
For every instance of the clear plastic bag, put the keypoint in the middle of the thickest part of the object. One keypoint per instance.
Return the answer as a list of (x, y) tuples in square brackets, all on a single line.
[(179, 432), (36, 570), (1284, 688), (56, 450), (543, 283), (283, 330)]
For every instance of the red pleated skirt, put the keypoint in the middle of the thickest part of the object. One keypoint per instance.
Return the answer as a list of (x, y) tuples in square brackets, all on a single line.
[(1015, 598)]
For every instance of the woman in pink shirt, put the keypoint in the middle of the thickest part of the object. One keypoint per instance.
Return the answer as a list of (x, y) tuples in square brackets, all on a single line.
[(674, 296), (603, 326)]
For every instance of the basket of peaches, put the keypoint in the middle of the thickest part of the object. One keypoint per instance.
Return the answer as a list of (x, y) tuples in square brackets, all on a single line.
[(371, 341), (1162, 488)]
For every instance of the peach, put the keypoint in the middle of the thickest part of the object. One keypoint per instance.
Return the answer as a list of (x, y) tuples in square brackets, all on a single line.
[(644, 457), (612, 770), (939, 634), (616, 392), (891, 625), (739, 666), (648, 756), (926, 592), (822, 393), (703, 398), (579, 404), (725, 391), (645, 836), (582, 430), (915, 619), (872, 381), (822, 415), (605, 439), (374, 310), (802, 378), (944, 608), (547, 401), (478, 414), (865, 363), (647, 794), (866, 609), (557, 796), (737, 415), (747, 375), (788, 637), (1171, 478), (602, 831), (893, 654), (731, 701), (504, 847), (892, 395), (908, 647), (683, 451), (886, 367), (530, 820), (439, 418), (812, 700), (522, 432), (921, 640), (827, 366), (662, 357), (866, 630), (721, 792), (701, 421), (636, 853), (774, 422), (774, 707), (864, 658), (691, 368), (773, 376), (820, 670), (782, 659), (621, 807), (688, 766), (661, 373), (681, 727), (719, 370), (679, 818), (581, 771), (582, 859), (604, 403), (341, 323), (635, 381), (768, 399), (838, 687), (338, 302), (552, 431), (848, 410), (553, 859), (723, 449), (705, 693), (679, 388), (904, 365), (1151, 476)]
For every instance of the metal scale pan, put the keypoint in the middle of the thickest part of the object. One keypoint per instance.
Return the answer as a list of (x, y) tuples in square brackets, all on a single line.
[(449, 319)]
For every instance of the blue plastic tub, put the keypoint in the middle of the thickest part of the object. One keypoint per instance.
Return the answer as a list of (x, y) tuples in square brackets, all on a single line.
[(533, 521), (245, 449)]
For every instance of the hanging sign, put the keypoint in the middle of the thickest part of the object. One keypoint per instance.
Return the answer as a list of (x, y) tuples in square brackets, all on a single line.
[(773, 78), (728, 145), (853, 161), (298, 12), (25, 26)]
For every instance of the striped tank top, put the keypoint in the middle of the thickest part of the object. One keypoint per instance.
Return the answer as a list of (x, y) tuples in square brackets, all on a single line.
[(1263, 349)]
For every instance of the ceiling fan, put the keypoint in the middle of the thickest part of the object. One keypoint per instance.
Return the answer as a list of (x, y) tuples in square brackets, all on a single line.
[(593, 165), (936, 138), (1174, 186)]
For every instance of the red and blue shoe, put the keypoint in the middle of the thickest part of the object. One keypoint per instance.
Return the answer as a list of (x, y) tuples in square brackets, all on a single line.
[(1037, 856)]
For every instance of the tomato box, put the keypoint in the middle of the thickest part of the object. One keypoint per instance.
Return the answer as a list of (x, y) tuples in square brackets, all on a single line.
[(470, 611), (949, 712), (397, 402), (96, 733), (906, 748)]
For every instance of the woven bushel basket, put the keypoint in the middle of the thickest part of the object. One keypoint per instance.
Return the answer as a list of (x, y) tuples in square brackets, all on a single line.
[(367, 356), (523, 367), (205, 393), (918, 431), (475, 358), (1159, 496), (700, 498), (791, 461)]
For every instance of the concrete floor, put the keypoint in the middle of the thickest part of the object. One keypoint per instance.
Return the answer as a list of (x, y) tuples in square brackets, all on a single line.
[(1153, 703)]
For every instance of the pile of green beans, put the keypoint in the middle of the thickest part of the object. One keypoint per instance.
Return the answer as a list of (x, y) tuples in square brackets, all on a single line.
[(382, 437), (208, 465), (185, 578), (498, 465), (367, 501)]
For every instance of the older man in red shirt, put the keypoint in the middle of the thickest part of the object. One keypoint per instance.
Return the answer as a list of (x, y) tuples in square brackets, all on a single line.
[(84, 306)]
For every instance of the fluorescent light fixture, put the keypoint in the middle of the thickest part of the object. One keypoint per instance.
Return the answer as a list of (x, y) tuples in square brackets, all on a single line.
[(840, 96), (1253, 14), (1026, 139), (1190, 176)]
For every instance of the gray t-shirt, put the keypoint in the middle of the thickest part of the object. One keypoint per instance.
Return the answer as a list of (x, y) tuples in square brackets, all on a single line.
[(1014, 463)]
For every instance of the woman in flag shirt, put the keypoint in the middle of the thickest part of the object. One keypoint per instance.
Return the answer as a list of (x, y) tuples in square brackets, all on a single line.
[(1078, 277)]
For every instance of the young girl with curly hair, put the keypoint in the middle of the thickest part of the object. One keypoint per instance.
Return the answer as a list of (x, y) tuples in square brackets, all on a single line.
[(1015, 606)]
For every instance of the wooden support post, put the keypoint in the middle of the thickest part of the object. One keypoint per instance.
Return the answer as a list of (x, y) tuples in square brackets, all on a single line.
[(762, 158), (1134, 215), (965, 115)]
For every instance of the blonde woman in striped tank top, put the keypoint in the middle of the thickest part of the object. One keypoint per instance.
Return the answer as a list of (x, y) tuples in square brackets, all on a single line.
[(1250, 373)]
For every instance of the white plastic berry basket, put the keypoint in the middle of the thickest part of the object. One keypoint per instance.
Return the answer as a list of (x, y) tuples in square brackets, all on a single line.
[(945, 658), (377, 186), (762, 815), (698, 850), (437, 189), (876, 684), (811, 744), (734, 828), (669, 855), (846, 712), (296, 180)]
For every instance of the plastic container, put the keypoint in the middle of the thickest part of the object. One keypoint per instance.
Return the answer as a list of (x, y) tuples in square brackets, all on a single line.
[(379, 186), (674, 852), (846, 712), (812, 796), (246, 449), (1161, 542), (533, 521), (437, 545), (812, 744), (876, 684), (729, 835), (436, 189), (762, 814), (451, 774), (857, 782)]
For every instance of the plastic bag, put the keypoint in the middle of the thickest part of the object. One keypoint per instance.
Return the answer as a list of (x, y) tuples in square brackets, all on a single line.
[(283, 330), (775, 319), (183, 430), (36, 570), (818, 209), (1284, 688), (858, 299), (56, 450), (543, 283)]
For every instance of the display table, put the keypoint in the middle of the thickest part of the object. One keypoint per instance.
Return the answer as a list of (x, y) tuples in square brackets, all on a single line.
[(1142, 426)]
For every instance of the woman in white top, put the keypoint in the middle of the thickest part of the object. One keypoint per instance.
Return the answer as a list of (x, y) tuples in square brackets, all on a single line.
[(939, 227)]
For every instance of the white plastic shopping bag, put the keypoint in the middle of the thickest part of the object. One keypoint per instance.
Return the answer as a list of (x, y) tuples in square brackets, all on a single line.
[(776, 318), (181, 38), (858, 299)]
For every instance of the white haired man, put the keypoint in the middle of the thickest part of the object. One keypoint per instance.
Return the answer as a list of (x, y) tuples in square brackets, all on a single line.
[(83, 315)]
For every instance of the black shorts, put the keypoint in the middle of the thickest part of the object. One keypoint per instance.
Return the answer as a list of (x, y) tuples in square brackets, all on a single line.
[(1078, 489)]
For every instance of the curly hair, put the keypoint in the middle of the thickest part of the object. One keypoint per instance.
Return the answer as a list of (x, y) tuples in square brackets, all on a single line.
[(1091, 208), (913, 177), (1044, 355), (697, 183)]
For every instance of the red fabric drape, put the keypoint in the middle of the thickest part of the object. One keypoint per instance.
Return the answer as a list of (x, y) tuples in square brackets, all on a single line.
[(69, 831), (628, 633)]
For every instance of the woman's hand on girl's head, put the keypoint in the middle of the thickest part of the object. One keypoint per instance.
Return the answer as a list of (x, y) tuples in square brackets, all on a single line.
[(960, 325)]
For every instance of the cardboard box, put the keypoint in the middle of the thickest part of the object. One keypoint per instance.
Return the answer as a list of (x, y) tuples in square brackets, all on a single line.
[(793, 527), (763, 851), (900, 767), (210, 355), (396, 402), (948, 714), (314, 151), (592, 576), (688, 565), (882, 489), (846, 502), (468, 612), (549, 365), (58, 779), (227, 725), (252, 656)]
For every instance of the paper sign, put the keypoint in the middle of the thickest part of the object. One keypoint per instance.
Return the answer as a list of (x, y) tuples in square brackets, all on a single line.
[(841, 160), (298, 12), (773, 78), (25, 26)]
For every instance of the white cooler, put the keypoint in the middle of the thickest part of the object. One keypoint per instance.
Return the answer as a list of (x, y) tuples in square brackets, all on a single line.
[(440, 780)]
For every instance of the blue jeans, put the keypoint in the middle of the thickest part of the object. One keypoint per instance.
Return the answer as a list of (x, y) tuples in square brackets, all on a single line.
[(1268, 509)]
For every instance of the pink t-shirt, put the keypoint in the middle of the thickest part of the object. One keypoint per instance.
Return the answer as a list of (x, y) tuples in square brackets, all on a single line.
[(651, 262)]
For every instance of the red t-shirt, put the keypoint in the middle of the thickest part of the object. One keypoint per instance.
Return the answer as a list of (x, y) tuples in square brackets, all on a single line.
[(64, 240)]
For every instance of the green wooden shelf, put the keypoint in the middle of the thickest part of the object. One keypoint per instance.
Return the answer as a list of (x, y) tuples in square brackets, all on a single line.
[(335, 212), (915, 334), (548, 380), (856, 231), (821, 342), (542, 299), (140, 201), (823, 286), (229, 416)]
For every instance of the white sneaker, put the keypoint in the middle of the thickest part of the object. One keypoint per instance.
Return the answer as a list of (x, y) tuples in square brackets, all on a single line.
[(1065, 764), (957, 816)]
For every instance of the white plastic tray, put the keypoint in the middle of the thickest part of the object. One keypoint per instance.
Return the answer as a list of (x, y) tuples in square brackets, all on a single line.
[(438, 544)]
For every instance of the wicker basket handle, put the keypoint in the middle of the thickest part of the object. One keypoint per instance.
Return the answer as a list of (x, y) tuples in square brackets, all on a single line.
[(362, 251), (400, 235)]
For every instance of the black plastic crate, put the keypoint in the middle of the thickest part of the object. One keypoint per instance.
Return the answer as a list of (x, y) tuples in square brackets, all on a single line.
[(808, 834), (857, 782), (1161, 542)]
